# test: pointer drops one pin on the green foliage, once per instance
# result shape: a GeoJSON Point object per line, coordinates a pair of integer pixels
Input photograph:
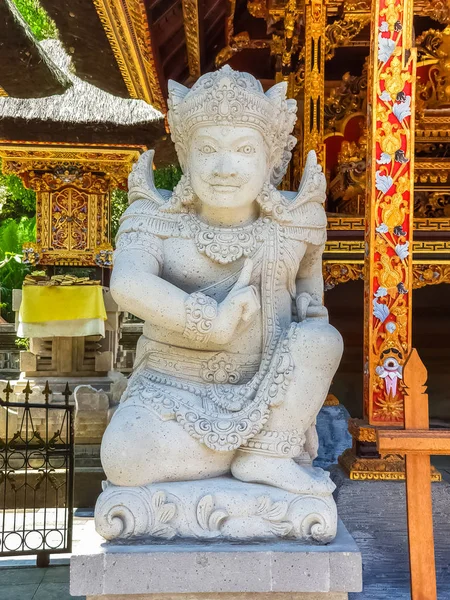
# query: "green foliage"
{"type": "Point", "coordinates": [166, 179]}
{"type": "Point", "coordinates": [119, 202]}
{"type": "Point", "coordinates": [22, 343]}
{"type": "Point", "coordinates": [15, 200]}
{"type": "Point", "coordinates": [37, 19]}
{"type": "Point", "coordinates": [13, 233]}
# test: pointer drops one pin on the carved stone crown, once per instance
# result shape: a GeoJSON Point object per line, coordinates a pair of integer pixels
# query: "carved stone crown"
{"type": "Point", "coordinates": [228, 97]}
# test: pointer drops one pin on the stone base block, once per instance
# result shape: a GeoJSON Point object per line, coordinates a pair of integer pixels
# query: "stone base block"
{"type": "Point", "coordinates": [216, 570]}
{"type": "Point", "coordinates": [221, 507]}
{"type": "Point", "coordinates": [269, 596]}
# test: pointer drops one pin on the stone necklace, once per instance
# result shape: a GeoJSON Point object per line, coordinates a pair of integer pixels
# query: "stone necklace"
{"type": "Point", "coordinates": [225, 245]}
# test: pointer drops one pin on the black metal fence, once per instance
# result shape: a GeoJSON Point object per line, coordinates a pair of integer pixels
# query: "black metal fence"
{"type": "Point", "coordinates": [36, 474]}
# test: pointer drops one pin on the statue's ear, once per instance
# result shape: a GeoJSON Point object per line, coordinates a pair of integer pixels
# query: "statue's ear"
{"type": "Point", "coordinates": [277, 93]}
{"type": "Point", "coordinates": [177, 92]}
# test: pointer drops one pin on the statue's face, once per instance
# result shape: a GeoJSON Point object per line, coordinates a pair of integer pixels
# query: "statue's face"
{"type": "Point", "coordinates": [228, 165]}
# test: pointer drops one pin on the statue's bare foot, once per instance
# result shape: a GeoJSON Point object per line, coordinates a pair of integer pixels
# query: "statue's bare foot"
{"type": "Point", "coordinates": [283, 473]}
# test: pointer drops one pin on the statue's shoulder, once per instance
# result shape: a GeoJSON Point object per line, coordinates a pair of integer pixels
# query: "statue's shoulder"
{"type": "Point", "coordinates": [146, 213]}
{"type": "Point", "coordinates": [146, 216]}
{"type": "Point", "coordinates": [308, 220]}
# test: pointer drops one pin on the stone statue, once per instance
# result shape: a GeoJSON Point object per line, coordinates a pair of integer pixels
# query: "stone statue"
{"type": "Point", "coordinates": [215, 435]}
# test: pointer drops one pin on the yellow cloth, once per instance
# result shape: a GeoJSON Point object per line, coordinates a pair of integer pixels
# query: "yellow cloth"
{"type": "Point", "coordinates": [61, 303]}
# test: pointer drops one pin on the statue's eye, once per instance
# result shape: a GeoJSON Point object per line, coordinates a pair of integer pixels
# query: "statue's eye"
{"type": "Point", "coordinates": [207, 149]}
{"type": "Point", "coordinates": [247, 149]}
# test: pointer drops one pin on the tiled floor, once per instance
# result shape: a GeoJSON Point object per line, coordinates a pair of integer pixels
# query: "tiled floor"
{"type": "Point", "coordinates": [30, 583]}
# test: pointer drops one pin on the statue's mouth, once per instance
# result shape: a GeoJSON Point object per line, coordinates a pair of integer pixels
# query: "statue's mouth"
{"type": "Point", "coordinates": [225, 188]}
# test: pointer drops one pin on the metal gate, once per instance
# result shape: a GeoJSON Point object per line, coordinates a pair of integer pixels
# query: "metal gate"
{"type": "Point", "coordinates": [36, 473]}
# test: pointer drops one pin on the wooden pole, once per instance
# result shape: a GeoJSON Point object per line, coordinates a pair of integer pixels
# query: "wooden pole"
{"type": "Point", "coordinates": [418, 486]}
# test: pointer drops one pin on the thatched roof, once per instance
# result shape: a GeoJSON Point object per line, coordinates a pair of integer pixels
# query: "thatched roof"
{"type": "Point", "coordinates": [25, 69]}
{"type": "Point", "coordinates": [80, 103]}
{"type": "Point", "coordinates": [83, 114]}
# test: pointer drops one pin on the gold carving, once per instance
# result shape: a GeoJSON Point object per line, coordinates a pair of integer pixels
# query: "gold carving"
{"type": "Point", "coordinates": [290, 43]}
{"type": "Point", "coordinates": [314, 82]}
{"type": "Point", "coordinates": [31, 253]}
{"type": "Point", "coordinates": [239, 42]}
{"type": "Point", "coordinates": [257, 8]}
{"type": "Point", "coordinates": [434, 50]}
{"type": "Point", "coordinates": [432, 171]}
{"type": "Point", "coordinates": [389, 205]}
{"type": "Point", "coordinates": [432, 274]}
{"type": "Point", "coordinates": [431, 247]}
{"type": "Point", "coordinates": [341, 31]}
{"type": "Point", "coordinates": [372, 469]}
{"type": "Point", "coordinates": [192, 33]}
{"type": "Point", "coordinates": [103, 255]}
{"type": "Point", "coordinates": [348, 188]}
{"type": "Point", "coordinates": [431, 224]}
{"type": "Point", "coordinates": [439, 10]}
{"type": "Point", "coordinates": [345, 100]}
{"type": "Point", "coordinates": [72, 187]}
{"type": "Point", "coordinates": [116, 162]}
{"type": "Point", "coordinates": [347, 223]}
{"type": "Point", "coordinates": [344, 247]}
{"type": "Point", "coordinates": [126, 26]}
{"type": "Point", "coordinates": [335, 273]}
{"type": "Point", "coordinates": [390, 468]}
{"type": "Point", "coordinates": [344, 223]}
{"type": "Point", "coordinates": [361, 431]}
{"type": "Point", "coordinates": [432, 204]}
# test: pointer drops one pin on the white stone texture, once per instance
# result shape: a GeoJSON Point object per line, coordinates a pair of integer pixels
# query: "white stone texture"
{"type": "Point", "coordinates": [225, 568]}
{"type": "Point", "coordinates": [237, 355]}
{"type": "Point", "coordinates": [214, 508]}
{"type": "Point", "coordinates": [249, 596]}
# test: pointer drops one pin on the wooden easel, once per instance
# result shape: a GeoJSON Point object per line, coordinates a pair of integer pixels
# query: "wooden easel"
{"type": "Point", "coordinates": [417, 442]}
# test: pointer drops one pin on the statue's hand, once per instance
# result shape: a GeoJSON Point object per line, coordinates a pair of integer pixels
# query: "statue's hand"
{"type": "Point", "coordinates": [310, 307]}
{"type": "Point", "coordinates": [238, 308]}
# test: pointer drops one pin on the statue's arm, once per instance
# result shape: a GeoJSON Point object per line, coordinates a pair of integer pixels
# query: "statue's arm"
{"type": "Point", "coordinates": [309, 283]}
{"type": "Point", "coordinates": [137, 288]}
{"type": "Point", "coordinates": [309, 276]}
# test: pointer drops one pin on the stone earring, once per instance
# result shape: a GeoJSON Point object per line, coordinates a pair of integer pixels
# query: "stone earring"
{"type": "Point", "coordinates": [188, 195]}
{"type": "Point", "coordinates": [264, 199]}
{"type": "Point", "coordinates": [271, 203]}
{"type": "Point", "coordinates": [183, 196]}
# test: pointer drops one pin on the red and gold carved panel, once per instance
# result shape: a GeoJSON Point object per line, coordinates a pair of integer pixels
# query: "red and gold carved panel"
{"type": "Point", "coordinates": [389, 217]}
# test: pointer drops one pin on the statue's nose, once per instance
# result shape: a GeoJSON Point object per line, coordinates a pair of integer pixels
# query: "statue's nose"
{"type": "Point", "coordinates": [224, 166]}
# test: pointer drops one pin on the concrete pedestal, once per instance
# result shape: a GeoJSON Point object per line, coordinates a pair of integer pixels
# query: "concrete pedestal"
{"type": "Point", "coordinates": [184, 570]}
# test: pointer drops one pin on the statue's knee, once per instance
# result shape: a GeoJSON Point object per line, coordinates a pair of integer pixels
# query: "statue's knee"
{"type": "Point", "coordinates": [122, 449]}
{"type": "Point", "coordinates": [330, 341]}
{"type": "Point", "coordinates": [318, 339]}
